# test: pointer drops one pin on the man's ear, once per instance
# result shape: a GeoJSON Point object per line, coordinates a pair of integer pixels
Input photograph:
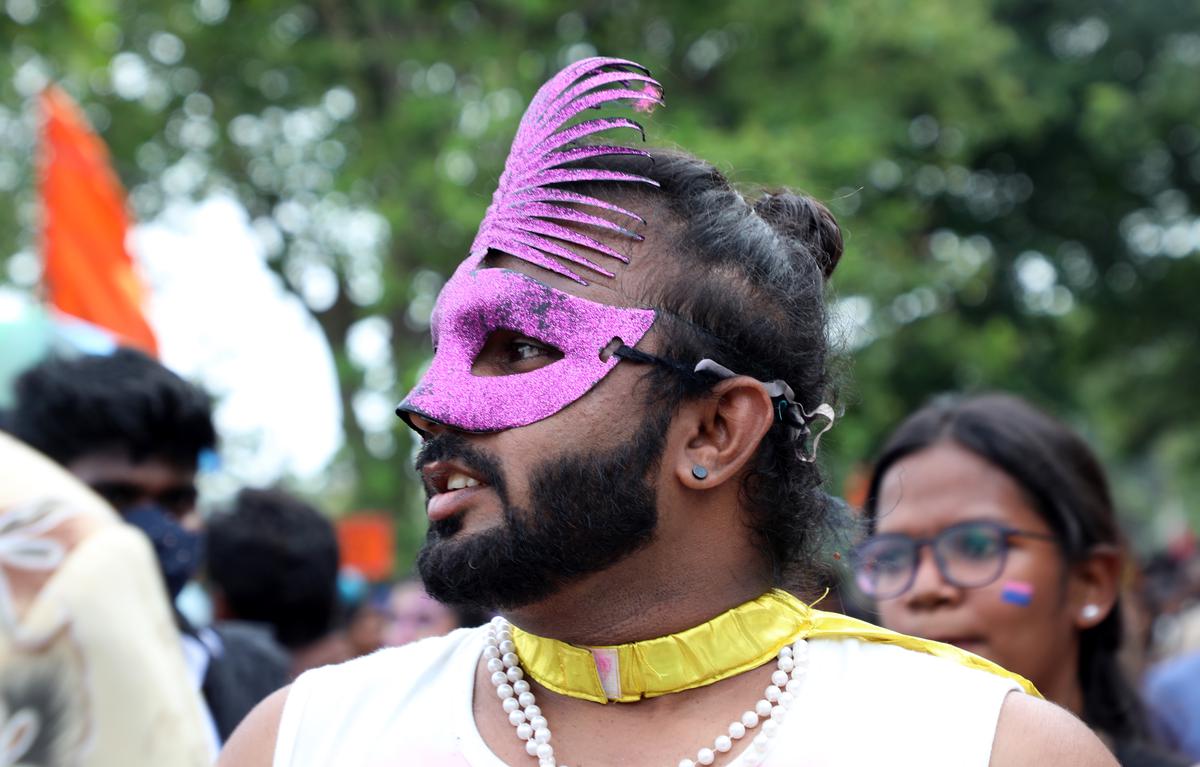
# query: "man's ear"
{"type": "Point", "coordinates": [1095, 585]}
{"type": "Point", "coordinates": [722, 432]}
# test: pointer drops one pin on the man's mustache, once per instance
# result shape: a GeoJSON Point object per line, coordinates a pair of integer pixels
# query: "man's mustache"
{"type": "Point", "coordinates": [448, 446]}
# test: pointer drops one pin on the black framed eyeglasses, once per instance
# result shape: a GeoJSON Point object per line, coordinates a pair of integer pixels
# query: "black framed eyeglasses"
{"type": "Point", "coordinates": [968, 555]}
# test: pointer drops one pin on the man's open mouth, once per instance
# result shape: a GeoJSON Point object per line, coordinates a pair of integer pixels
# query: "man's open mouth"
{"type": "Point", "coordinates": [446, 476]}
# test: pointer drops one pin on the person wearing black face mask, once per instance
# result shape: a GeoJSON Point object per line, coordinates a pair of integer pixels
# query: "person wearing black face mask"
{"type": "Point", "coordinates": [179, 549]}
{"type": "Point", "coordinates": [134, 432]}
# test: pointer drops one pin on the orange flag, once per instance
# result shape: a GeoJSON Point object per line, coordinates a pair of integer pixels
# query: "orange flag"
{"type": "Point", "coordinates": [367, 542]}
{"type": "Point", "coordinates": [88, 272]}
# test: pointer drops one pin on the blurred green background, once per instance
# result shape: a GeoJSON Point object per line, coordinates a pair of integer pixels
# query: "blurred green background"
{"type": "Point", "coordinates": [1017, 179]}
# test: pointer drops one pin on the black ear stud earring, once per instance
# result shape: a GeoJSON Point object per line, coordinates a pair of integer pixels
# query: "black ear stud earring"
{"type": "Point", "coordinates": [699, 472]}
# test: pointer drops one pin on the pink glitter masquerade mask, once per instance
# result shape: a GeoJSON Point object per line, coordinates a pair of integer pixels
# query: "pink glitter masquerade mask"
{"type": "Point", "coordinates": [478, 302]}
{"type": "Point", "coordinates": [523, 221]}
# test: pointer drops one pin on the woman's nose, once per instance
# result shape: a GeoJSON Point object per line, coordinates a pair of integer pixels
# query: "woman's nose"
{"type": "Point", "coordinates": [930, 587]}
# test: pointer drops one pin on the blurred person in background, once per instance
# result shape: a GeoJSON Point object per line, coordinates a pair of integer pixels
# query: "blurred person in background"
{"type": "Point", "coordinates": [361, 615]}
{"type": "Point", "coordinates": [133, 431]}
{"type": "Point", "coordinates": [273, 562]}
{"type": "Point", "coordinates": [1171, 685]}
{"type": "Point", "coordinates": [1172, 690]}
{"type": "Point", "coordinates": [412, 615]}
{"type": "Point", "coordinates": [91, 670]}
{"type": "Point", "coordinates": [993, 530]}
{"type": "Point", "coordinates": [1172, 594]}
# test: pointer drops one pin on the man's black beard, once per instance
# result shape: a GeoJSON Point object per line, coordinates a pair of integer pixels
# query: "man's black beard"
{"type": "Point", "coordinates": [587, 512]}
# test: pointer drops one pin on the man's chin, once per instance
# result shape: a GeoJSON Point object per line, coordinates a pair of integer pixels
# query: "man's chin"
{"type": "Point", "coordinates": [469, 569]}
{"type": "Point", "coordinates": [464, 526]}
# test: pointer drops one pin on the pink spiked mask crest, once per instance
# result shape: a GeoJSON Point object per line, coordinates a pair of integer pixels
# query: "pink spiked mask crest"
{"type": "Point", "coordinates": [531, 218]}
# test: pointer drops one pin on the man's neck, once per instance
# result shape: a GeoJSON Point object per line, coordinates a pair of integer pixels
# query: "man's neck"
{"type": "Point", "coordinates": [641, 598]}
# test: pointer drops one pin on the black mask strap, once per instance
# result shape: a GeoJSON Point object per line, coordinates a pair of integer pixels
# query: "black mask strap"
{"type": "Point", "coordinates": [787, 411]}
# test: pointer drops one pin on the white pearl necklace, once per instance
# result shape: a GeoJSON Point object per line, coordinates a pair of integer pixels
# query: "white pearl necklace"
{"type": "Point", "coordinates": [500, 655]}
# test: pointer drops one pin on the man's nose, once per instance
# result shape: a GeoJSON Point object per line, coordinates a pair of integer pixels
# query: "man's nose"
{"type": "Point", "coordinates": [421, 424]}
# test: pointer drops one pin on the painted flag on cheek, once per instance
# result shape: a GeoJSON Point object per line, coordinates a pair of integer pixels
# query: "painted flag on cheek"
{"type": "Point", "coordinates": [1018, 593]}
{"type": "Point", "coordinates": [88, 272]}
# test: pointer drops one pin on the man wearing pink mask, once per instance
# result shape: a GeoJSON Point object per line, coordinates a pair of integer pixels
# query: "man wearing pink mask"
{"type": "Point", "coordinates": [618, 430]}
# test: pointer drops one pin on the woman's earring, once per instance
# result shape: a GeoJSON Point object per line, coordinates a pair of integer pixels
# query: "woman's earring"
{"type": "Point", "coordinates": [1090, 612]}
{"type": "Point", "coordinates": [699, 472]}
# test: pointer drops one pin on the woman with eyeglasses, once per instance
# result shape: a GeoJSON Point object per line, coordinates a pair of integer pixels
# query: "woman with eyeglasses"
{"type": "Point", "coordinates": [992, 528]}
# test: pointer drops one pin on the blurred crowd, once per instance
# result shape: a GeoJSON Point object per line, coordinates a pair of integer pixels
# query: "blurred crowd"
{"type": "Point", "coordinates": [979, 504]}
{"type": "Point", "coordinates": [196, 617]}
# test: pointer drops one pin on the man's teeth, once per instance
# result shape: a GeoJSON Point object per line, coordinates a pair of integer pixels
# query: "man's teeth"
{"type": "Point", "coordinates": [460, 481]}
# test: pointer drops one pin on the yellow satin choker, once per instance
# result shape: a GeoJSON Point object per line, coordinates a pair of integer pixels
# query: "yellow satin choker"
{"type": "Point", "coordinates": [743, 638]}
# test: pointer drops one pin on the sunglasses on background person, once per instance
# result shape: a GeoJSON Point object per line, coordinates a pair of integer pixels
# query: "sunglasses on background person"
{"type": "Point", "coordinates": [968, 555]}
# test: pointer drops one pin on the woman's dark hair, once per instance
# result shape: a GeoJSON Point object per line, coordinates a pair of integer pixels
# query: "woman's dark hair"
{"type": "Point", "coordinates": [744, 285]}
{"type": "Point", "coordinates": [1067, 487]}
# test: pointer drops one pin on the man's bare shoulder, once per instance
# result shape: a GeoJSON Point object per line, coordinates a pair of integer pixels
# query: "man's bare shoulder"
{"type": "Point", "coordinates": [253, 742]}
{"type": "Point", "coordinates": [1032, 731]}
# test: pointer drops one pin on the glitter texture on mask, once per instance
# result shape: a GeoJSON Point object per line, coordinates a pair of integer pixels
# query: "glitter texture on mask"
{"type": "Point", "coordinates": [476, 303]}
{"type": "Point", "coordinates": [523, 219]}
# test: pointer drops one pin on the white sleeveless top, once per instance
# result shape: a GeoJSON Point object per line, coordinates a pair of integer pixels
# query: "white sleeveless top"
{"type": "Point", "coordinates": [862, 703]}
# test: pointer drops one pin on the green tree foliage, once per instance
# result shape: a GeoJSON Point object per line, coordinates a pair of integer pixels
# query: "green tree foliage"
{"type": "Point", "coordinates": [1017, 179]}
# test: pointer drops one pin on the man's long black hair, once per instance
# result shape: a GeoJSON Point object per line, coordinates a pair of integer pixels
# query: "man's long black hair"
{"type": "Point", "coordinates": [744, 285]}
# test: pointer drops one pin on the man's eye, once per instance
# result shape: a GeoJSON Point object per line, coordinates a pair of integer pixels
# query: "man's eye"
{"type": "Point", "coordinates": [526, 350]}
{"type": "Point", "coordinates": [508, 353]}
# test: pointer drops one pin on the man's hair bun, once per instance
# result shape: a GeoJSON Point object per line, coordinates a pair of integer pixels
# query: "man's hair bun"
{"type": "Point", "coordinates": [807, 225]}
